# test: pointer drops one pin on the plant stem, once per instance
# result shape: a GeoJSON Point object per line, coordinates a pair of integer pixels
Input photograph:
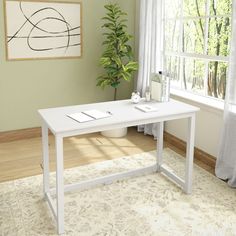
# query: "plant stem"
{"type": "Point", "coordinates": [115, 93]}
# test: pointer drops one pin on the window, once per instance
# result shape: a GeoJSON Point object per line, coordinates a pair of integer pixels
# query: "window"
{"type": "Point", "coordinates": [196, 45]}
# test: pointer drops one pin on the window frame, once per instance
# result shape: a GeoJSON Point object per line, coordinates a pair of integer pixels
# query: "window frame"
{"type": "Point", "coordinates": [180, 54]}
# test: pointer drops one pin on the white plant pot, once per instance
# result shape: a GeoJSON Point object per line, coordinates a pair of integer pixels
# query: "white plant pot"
{"type": "Point", "coordinates": [115, 133]}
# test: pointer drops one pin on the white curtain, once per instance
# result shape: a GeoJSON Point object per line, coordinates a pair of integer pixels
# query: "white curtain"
{"type": "Point", "coordinates": [226, 160]}
{"type": "Point", "coordinates": [150, 47]}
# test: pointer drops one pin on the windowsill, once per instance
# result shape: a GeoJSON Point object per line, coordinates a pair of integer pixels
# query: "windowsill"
{"type": "Point", "coordinates": [209, 104]}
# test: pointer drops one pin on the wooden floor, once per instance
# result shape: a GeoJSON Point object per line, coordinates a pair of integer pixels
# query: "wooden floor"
{"type": "Point", "coordinates": [22, 158]}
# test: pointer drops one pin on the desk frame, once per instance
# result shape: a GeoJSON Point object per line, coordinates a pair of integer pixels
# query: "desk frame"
{"type": "Point", "coordinates": [58, 208]}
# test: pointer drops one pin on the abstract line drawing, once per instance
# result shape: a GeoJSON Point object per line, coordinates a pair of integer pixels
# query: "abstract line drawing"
{"type": "Point", "coordinates": [37, 30]}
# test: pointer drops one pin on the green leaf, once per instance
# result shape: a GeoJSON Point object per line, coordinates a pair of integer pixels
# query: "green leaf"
{"type": "Point", "coordinates": [115, 84]}
{"type": "Point", "coordinates": [131, 66]}
{"type": "Point", "coordinates": [105, 61]}
{"type": "Point", "coordinates": [109, 25]}
{"type": "Point", "coordinates": [108, 18]}
{"type": "Point", "coordinates": [117, 60]}
{"type": "Point", "coordinates": [126, 76]}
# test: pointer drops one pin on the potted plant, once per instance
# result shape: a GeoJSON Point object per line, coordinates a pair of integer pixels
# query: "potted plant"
{"type": "Point", "coordinates": [117, 58]}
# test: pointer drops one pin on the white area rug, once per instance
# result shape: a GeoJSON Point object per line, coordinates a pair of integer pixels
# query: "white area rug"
{"type": "Point", "coordinates": [150, 205]}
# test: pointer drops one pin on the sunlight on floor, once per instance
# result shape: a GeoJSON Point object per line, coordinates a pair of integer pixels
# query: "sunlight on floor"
{"type": "Point", "coordinates": [24, 157]}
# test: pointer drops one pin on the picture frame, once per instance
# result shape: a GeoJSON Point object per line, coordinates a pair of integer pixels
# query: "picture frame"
{"type": "Point", "coordinates": [43, 29]}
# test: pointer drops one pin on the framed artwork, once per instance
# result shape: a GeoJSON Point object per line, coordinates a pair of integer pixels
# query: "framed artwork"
{"type": "Point", "coordinates": [43, 30]}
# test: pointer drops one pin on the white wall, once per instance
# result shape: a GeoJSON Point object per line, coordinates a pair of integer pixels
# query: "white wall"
{"type": "Point", "coordinates": [209, 123]}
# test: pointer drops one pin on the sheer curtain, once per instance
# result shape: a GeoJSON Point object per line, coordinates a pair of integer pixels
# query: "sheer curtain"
{"type": "Point", "coordinates": [226, 161]}
{"type": "Point", "coordinates": [150, 44]}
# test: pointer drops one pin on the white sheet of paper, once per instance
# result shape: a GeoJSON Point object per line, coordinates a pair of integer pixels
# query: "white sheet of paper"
{"type": "Point", "coordinates": [146, 108]}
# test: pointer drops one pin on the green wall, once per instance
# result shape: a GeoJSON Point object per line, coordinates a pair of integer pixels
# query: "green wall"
{"type": "Point", "coordinates": [26, 86]}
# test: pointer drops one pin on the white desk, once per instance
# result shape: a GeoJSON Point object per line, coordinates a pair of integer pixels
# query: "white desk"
{"type": "Point", "coordinates": [124, 115]}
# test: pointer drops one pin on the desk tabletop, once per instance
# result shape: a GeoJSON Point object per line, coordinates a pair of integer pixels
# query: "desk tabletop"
{"type": "Point", "coordinates": [123, 112]}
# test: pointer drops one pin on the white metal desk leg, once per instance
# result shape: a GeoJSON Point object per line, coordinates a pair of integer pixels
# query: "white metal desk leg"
{"type": "Point", "coordinates": [160, 127]}
{"type": "Point", "coordinates": [60, 184]}
{"type": "Point", "coordinates": [45, 158]}
{"type": "Point", "coordinates": [189, 155]}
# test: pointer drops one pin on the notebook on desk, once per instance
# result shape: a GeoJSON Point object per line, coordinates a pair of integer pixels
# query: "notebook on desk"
{"type": "Point", "coordinates": [96, 114]}
{"type": "Point", "coordinates": [89, 115]}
